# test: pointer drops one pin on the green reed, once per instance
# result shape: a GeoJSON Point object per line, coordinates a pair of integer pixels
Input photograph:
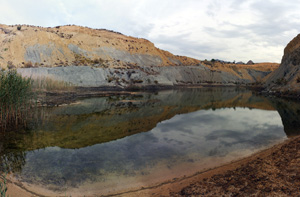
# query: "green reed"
{"type": "Point", "coordinates": [3, 187]}
{"type": "Point", "coordinates": [15, 99]}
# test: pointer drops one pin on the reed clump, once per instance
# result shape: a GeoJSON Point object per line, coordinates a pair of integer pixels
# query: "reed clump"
{"type": "Point", "coordinates": [3, 187]}
{"type": "Point", "coordinates": [15, 99]}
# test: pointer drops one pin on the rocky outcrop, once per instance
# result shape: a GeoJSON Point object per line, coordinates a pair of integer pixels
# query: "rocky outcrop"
{"type": "Point", "coordinates": [139, 77]}
{"type": "Point", "coordinates": [287, 76]}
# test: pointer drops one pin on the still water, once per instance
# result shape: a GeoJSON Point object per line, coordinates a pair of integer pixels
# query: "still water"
{"type": "Point", "coordinates": [111, 144]}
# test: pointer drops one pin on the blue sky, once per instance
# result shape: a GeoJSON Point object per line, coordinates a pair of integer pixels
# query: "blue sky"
{"type": "Point", "coordinates": [237, 30]}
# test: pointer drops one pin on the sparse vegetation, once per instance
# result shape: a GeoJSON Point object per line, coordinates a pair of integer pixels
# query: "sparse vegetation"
{"type": "Point", "coordinates": [81, 60]}
{"type": "Point", "coordinates": [49, 84]}
{"type": "Point", "coordinates": [206, 62]}
{"type": "Point", "coordinates": [281, 81]}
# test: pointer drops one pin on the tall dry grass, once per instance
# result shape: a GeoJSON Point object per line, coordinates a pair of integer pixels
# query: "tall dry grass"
{"type": "Point", "coordinates": [49, 84]}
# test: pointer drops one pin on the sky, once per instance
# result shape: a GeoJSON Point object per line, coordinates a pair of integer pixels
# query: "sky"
{"type": "Point", "coordinates": [231, 30]}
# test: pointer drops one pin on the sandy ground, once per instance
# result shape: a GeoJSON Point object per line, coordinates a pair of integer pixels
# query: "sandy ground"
{"type": "Point", "coordinates": [272, 172]}
{"type": "Point", "coordinates": [275, 172]}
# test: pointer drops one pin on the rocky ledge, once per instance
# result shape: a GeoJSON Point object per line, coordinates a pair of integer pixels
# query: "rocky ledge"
{"type": "Point", "coordinates": [140, 77]}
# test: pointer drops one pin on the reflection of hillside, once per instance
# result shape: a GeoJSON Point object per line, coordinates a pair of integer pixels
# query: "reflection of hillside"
{"type": "Point", "coordinates": [101, 120]}
{"type": "Point", "coordinates": [290, 115]}
{"type": "Point", "coordinates": [245, 100]}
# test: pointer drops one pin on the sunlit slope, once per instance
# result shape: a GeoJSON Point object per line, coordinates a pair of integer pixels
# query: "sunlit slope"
{"type": "Point", "coordinates": [26, 46]}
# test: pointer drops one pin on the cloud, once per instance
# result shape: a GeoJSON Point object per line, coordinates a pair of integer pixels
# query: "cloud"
{"type": "Point", "coordinates": [230, 30]}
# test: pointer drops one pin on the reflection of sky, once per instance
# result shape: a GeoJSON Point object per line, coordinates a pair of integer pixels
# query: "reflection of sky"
{"type": "Point", "coordinates": [183, 138]}
{"type": "Point", "coordinates": [224, 129]}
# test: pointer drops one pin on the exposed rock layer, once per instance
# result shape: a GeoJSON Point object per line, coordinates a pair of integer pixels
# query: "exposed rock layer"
{"type": "Point", "coordinates": [287, 76]}
{"type": "Point", "coordinates": [85, 76]}
{"type": "Point", "coordinates": [95, 57]}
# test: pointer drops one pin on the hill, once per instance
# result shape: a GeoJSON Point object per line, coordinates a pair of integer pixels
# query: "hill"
{"type": "Point", "coordinates": [27, 46]}
{"type": "Point", "coordinates": [87, 57]}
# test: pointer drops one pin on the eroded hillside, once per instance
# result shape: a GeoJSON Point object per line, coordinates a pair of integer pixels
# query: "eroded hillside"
{"type": "Point", "coordinates": [244, 71]}
{"type": "Point", "coordinates": [87, 57]}
{"type": "Point", "coordinates": [31, 46]}
{"type": "Point", "coordinates": [287, 76]}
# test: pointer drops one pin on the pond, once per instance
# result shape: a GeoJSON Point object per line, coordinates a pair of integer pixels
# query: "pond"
{"type": "Point", "coordinates": [111, 144]}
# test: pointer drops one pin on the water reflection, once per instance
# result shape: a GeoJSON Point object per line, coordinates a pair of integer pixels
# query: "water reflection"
{"type": "Point", "coordinates": [124, 141]}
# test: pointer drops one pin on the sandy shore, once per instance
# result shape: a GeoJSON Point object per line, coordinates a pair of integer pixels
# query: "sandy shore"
{"type": "Point", "coordinates": [272, 172]}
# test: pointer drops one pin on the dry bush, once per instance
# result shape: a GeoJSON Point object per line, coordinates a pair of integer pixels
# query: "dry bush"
{"type": "Point", "coordinates": [28, 65]}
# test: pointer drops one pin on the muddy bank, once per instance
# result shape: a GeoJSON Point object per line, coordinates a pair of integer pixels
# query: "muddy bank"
{"type": "Point", "coordinates": [57, 98]}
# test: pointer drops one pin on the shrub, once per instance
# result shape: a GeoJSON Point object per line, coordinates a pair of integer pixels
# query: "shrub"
{"type": "Point", "coordinates": [110, 79]}
{"type": "Point", "coordinates": [138, 81]}
{"type": "Point", "coordinates": [281, 81]}
{"type": "Point", "coordinates": [10, 65]}
{"type": "Point", "coordinates": [98, 61]}
{"type": "Point", "coordinates": [19, 28]}
{"type": "Point", "coordinates": [28, 65]}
